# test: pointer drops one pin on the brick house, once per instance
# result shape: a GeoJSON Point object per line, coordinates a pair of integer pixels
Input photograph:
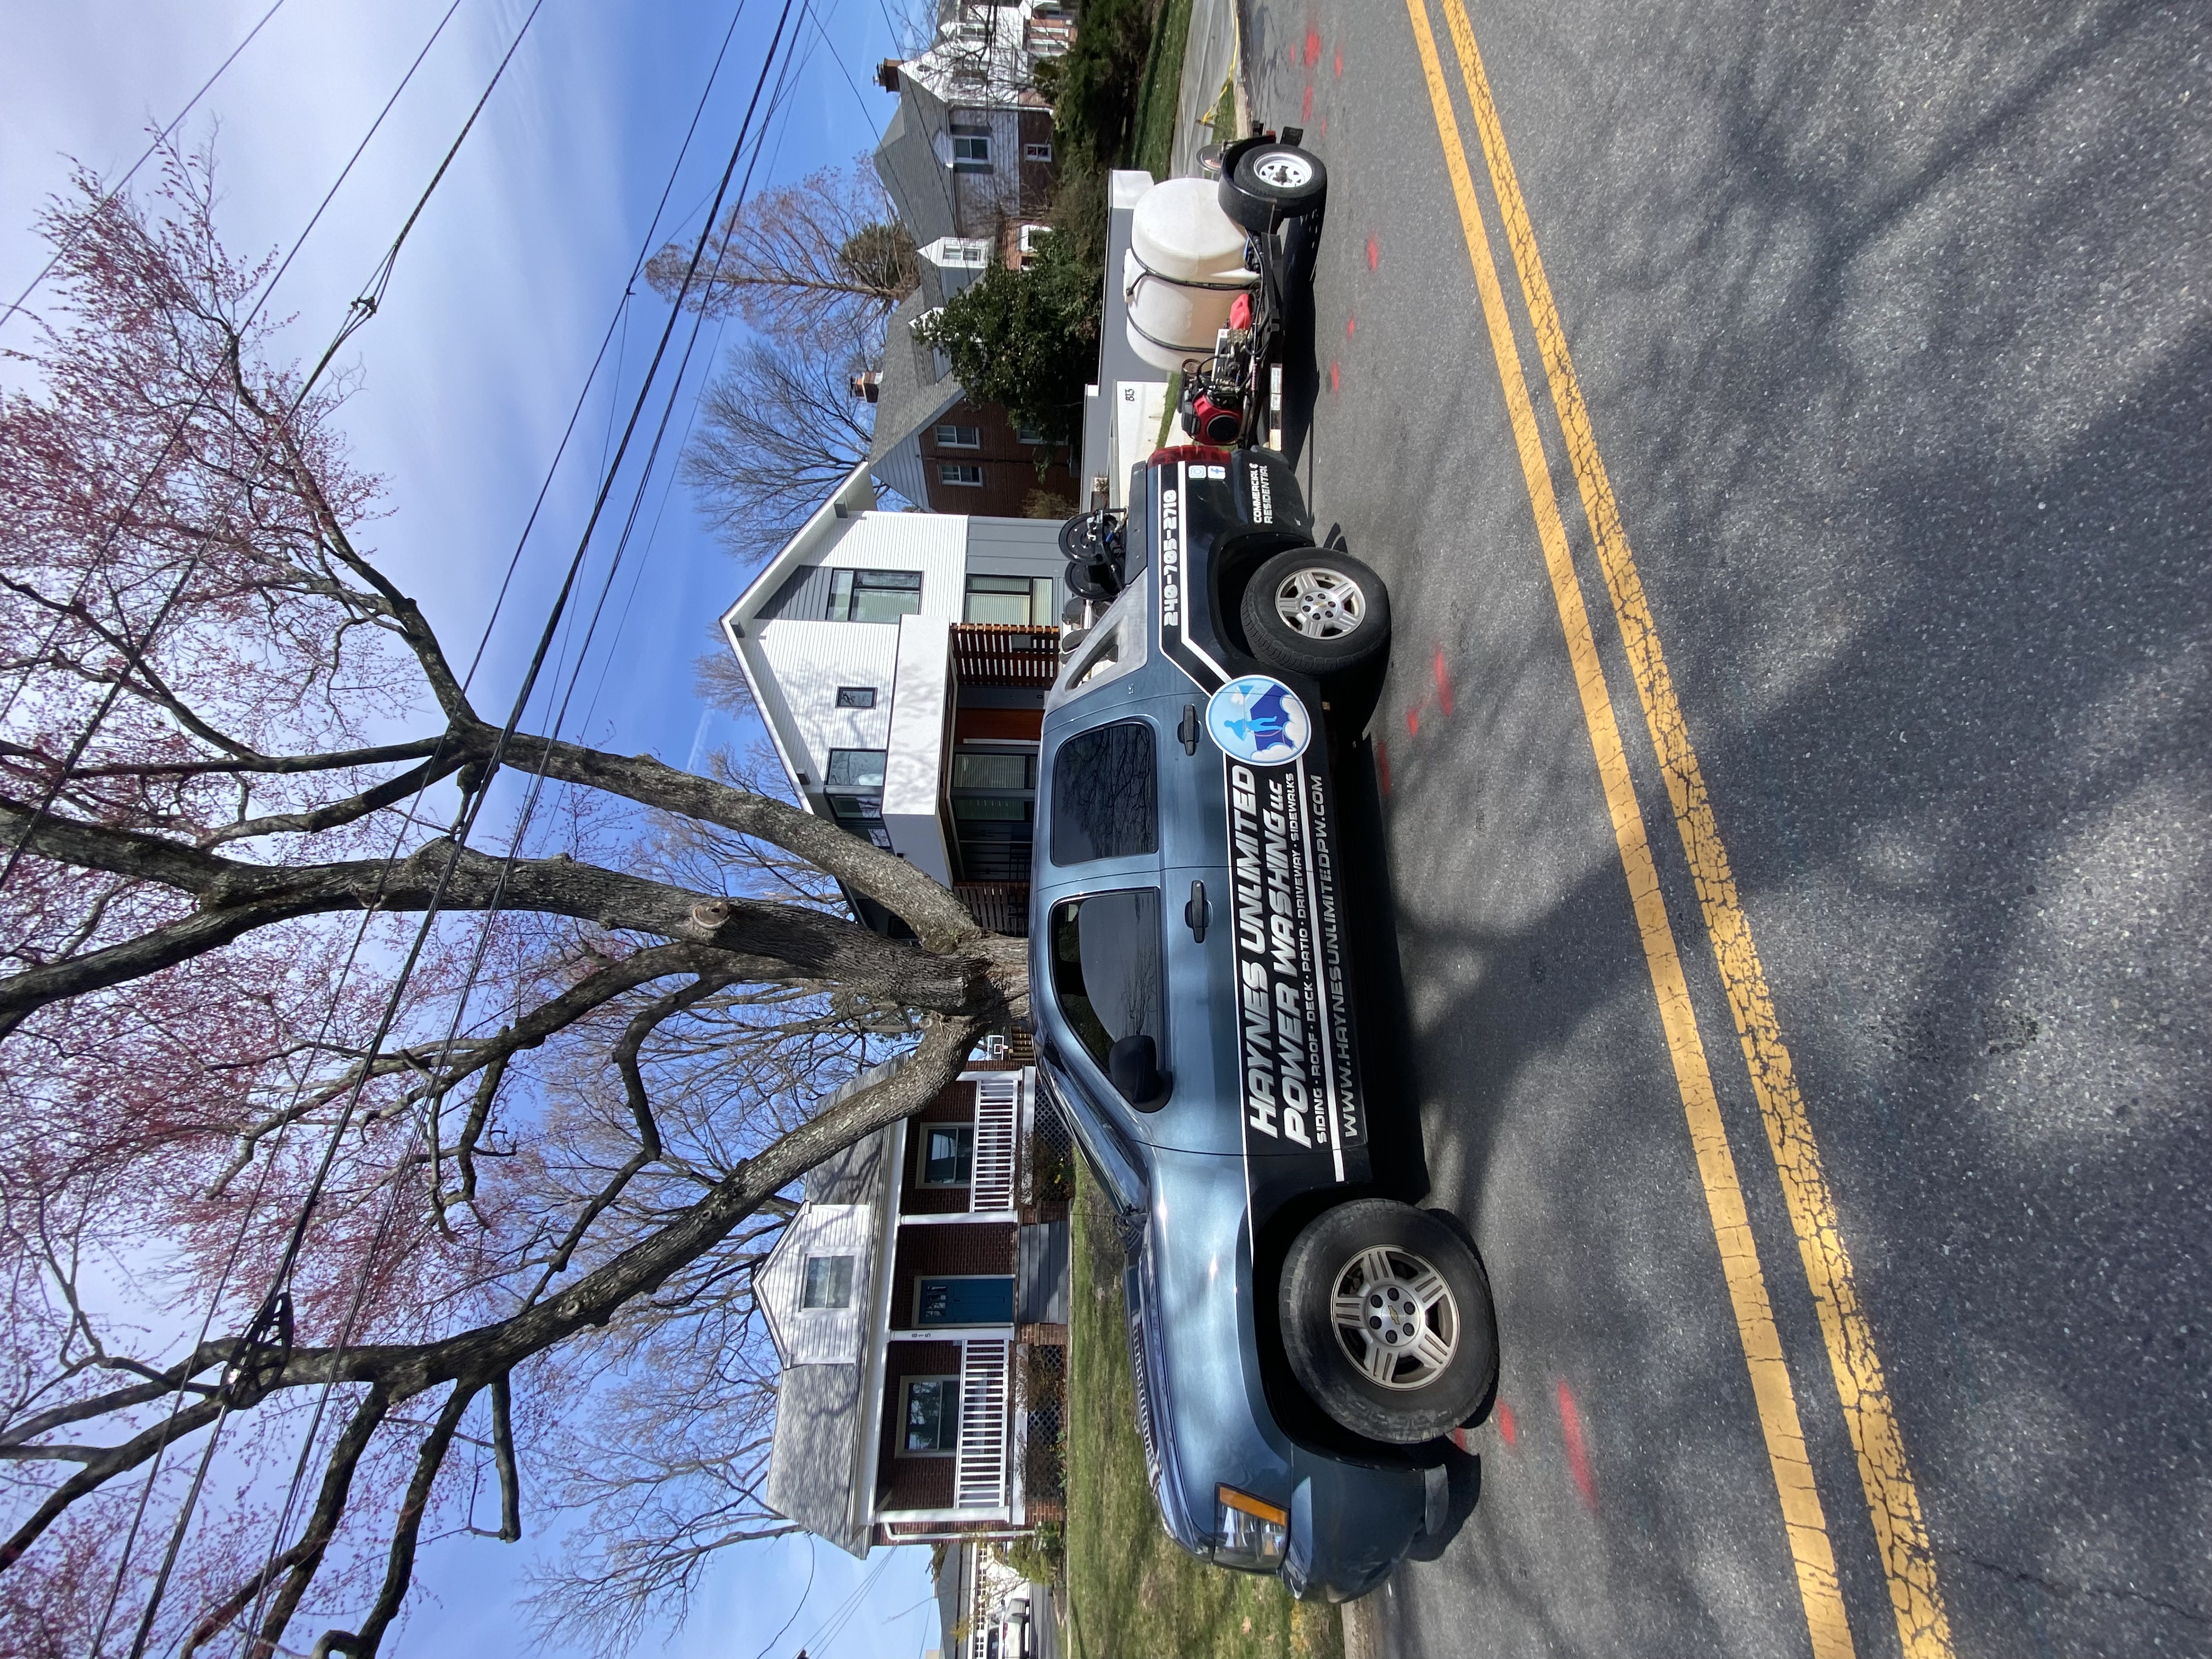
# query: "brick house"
{"type": "Point", "coordinates": [918, 1302]}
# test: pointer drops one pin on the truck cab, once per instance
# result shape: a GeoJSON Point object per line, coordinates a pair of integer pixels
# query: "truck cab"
{"type": "Point", "coordinates": [1193, 992]}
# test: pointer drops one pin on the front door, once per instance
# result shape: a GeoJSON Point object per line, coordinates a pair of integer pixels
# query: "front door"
{"type": "Point", "coordinates": [965, 1299]}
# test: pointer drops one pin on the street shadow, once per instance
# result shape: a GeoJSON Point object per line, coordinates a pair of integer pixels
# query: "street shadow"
{"type": "Point", "coordinates": [1930, 574]}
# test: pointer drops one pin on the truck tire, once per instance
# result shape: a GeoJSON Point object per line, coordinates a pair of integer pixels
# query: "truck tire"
{"type": "Point", "coordinates": [1315, 611]}
{"type": "Point", "coordinates": [1388, 1323]}
{"type": "Point", "coordinates": [1271, 183]}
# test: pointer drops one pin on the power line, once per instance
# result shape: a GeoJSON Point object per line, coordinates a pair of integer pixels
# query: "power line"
{"type": "Point", "coordinates": [473, 806]}
{"type": "Point", "coordinates": [145, 156]}
{"type": "Point", "coordinates": [358, 313]}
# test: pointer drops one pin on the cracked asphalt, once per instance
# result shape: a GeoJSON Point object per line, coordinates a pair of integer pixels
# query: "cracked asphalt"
{"type": "Point", "coordinates": [1894, 325]}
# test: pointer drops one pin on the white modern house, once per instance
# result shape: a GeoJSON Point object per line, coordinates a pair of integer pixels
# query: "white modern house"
{"type": "Point", "coordinates": [900, 662]}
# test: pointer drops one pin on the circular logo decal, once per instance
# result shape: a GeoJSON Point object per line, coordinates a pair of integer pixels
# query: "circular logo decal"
{"type": "Point", "coordinates": [1259, 719]}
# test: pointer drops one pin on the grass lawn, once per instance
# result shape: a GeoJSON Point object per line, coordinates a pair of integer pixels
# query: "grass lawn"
{"type": "Point", "coordinates": [1133, 1592]}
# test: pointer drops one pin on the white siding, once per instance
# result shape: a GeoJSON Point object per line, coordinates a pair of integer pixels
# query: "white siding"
{"type": "Point", "coordinates": [809, 660]}
{"type": "Point", "coordinates": [818, 1336]}
{"type": "Point", "coordinates": [917, 743]}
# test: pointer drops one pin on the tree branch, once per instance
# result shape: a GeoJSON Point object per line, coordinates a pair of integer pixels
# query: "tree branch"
{"type": "Point", "coordinates": [236, 898]}
{"type": "Point", "coordinates": [502, 1454]}
{"type": "Point", "coordinates": [399, 1571]}
{"type": "Point", "coordinates": [938, 919]}
{"type": "Point", "coordinates": [302, 1560]}
{"type": "Point", "coordinates": [96, 1474]}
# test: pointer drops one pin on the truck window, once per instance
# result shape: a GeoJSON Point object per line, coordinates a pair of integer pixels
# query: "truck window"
{"type": "Point", "coordinates": [1106, 967]}
{"type": "Point", "coordinates": [1105, 795]}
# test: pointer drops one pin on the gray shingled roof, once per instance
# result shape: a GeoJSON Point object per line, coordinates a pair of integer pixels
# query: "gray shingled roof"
{"type": "Point", "coordinates": [918, 183]}
{"type": "Point", "coordinates": [910, 396]}
{"type": "Point", "coordinates": [810, 1469]}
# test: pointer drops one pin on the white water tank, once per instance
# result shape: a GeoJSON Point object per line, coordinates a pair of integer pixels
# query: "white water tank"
{"type": "Point", "coordinates": [1184, 269]}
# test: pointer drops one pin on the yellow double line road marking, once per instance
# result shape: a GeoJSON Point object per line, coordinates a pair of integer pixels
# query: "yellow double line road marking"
{"type": "Point", "coordinates": [1892, 1500]}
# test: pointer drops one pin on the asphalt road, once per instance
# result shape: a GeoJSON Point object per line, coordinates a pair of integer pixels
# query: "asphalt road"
{"type": "Point", "coordinates": [1893, 326]}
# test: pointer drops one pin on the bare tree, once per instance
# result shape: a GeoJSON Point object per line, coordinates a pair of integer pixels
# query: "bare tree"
{"type": "Point", "coordinates": [525, 1268]}
{"type": "Point", "coordinates": [778, 431]}
{"type": "Point", "coordinates": [824, 257]}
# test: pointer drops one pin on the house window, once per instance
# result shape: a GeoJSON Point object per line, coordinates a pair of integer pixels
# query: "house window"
{"type": "Point", "coordinates": [932, 1417]}
{"type": "Point", "coordinates": [971, 149]}
{"type": "Point", "coordinates": [874, 596]}
{"type": "Point", "coordinates": [994, 812]}
{"type": "Point", "coordinates": [856, 696]}
{"type": "Point", "coordinates": [828, 1282]}
{"type": "Point", "coordinates": [966, 474]}
{"type": "Point", "coordinates": [1017, 600]}
{"type": "Point", "coordinates": [855, 785]}
{"type": "Point", "coordinates": [1036, 152]}
{"type": "Point", "coordinates": [855, 768]}
{"type": "Point", "coordinates": [959, 437]}
{"type": "Point", "coordinates": [999, 770]}
{"type": "Point", "coordinates": [948, 1154]}
{"type": "Point", "coordinates": [1027, 435]}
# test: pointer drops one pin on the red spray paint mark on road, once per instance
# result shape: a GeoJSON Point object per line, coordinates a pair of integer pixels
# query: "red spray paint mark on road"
{"type": "Point", "coordinates": [1414, 722]}
{"type": "Point", "coordinates": [1306, 105]}
{"type": "Point", "coordinates": [1335, 383]}
{"type": "Point", "coordinates": [1570, 1419]}
{"type": "Point", "coordinates": [1383, 764]}
{"type": "Point", "coordinates": [1351, 326]}
{"type": "Point", "coordinates": [1507, 1429]}
{"type": "Point", "coordinates": [1340, 62]}
{"type": "Point", "coordinates": [1374, 254]}
{"type": "Point", "coordinates": [1324, 126]}
{"type": "Point", "coordinates": [1458, 1438]}
{"type": "Point", "coordinates": [1313, 46]}
{"type": "Point", "coordinates": [1443, 681]}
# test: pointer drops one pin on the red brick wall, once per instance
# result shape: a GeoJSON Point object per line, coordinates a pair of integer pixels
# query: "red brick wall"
{"type": "Point", "coordinates": [1036, 177]}
{"type": "Point", "coordinates": [984, 1249]}
{"type": "Point", "coordinates": [912, 1482]}
{"type": "Point", "coordinates": [955, 1104]}
{"type": "Point", "coordinates": [1009, 465]}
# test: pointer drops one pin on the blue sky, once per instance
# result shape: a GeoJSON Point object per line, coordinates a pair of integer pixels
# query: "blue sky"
{"type": "Point", "coordinates": [467, 375]}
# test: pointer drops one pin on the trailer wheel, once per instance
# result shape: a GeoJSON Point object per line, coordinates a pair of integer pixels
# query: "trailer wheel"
{"type": "Point", "coordinates": [1388, 1321]}
{"type": "Point", "coordinates": [1315, 612]}
{"type": "Point", "coordinates": [1272, 183]}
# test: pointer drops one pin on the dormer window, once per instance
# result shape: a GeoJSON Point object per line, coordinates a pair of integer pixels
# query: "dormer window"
{"type": "Point", "coordinates": [828, 1282]}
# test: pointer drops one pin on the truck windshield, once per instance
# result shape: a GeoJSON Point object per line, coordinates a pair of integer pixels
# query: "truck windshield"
{"type": "Point", "coordinates": [1106, 967]}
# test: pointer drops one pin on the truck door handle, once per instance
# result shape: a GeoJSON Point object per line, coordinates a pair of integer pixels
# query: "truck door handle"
{"type": "Point", "coordinates": [1186, 730]}
{"type": "Point", "coordinates": [1195, 914]}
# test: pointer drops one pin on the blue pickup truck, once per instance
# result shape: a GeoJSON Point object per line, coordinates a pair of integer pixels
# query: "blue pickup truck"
{"type": "Point", "coordinates": [1300, 1343]}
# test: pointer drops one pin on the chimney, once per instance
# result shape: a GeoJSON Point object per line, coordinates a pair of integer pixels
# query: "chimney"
{"type": "Point", "coordinates": [887, 75]}
{"type": "Point", "coordinates": [867, 386]}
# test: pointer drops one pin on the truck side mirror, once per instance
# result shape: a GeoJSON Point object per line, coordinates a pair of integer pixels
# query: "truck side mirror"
{"type": "Point", "coordinates": [1134, 1066]}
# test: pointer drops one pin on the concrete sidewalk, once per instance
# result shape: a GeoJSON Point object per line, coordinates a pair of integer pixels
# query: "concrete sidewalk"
{"type": "Point", "coordinates": [1210, 56]}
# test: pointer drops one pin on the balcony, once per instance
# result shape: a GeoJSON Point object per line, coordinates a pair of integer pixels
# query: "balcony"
{"type": "Point", "coordinates": [982, 1467]}
{"type": "Point", "coordinates": [1001, 906]}
{"type": "Point", "coordinates": [1026, 656]}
